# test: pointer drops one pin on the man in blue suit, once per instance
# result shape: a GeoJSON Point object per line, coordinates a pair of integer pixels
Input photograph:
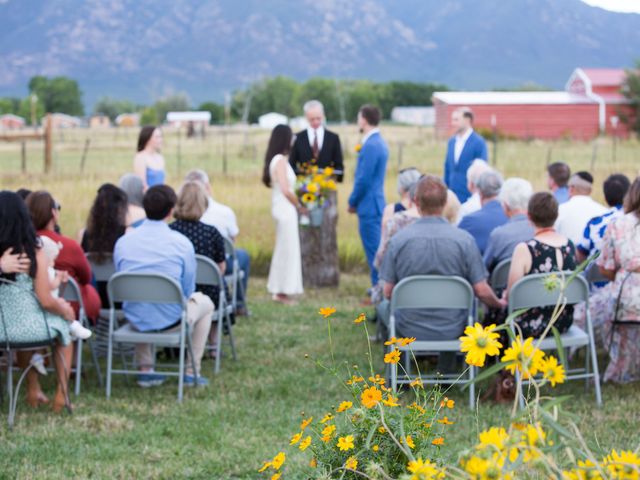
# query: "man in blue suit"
{"type": "Point", "coordinates": [463, 148]}
{"type": "Point", "coordinates": [367, 198]}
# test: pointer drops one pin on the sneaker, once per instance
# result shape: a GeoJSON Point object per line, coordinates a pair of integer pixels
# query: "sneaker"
{"type": "Point", "coordinates": [37, 362]}
{"type": "Point", "coordinates": [78, 331]}
{"type": "Point", "coordinates": [150, 379]}
{"type": "Point", "coordinates": [190, 381]}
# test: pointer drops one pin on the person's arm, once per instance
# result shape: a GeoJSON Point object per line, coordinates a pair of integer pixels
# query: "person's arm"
{"type": "Point", "coordinates": [294, 156]}
{"type": "Point", "coordinates": [189, 273]}
{"type": "Point", "coordinates": [388, 289]}
{"type": "Point", "coordinates": [41, 287]}
{"type": "Point", "coordinates": [81, 264]}
{"type": "Point", "coordinates": [489, 254]}
{"type": "Point", "coordinates": [281, 178]}
{"type": "Point", "coordinates": [234, 231]}
{"type": "Point", "coordinates": [140, 169]}
{"type": "Point", "coordinates": [14, 262]}
{"type": "Point", "coordinates": [338, 160]}
{"type": "Point", "coordinates": [520, 265]}
{"type": "Point", "coordinates": [364, 171]}
{"type": "Point", "coordinates": [487, 296]}
{"type": "Point", "coordinates": [447, 166]}
{"type": "Point", "coordinates": [388, 272]}
{"type": "Point", "coordinates": [606, 262]}
{"type": "Point", "coordinates": [217, 251]}
{"type": "Point", "coordinates": [484, 153]}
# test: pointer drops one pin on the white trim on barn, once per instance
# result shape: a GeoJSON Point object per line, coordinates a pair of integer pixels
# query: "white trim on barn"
{"type": "Point", "coordinates": [189, 117]}
{"type": "Point", "coordinates": [511, 98]}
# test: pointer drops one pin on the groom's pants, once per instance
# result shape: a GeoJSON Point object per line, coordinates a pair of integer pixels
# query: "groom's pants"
{"type": "Point", "coordinates": [369, 227]}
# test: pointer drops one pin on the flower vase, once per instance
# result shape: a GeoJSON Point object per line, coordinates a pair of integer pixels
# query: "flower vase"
{"type": "Point", "coordinates": [316, 217]}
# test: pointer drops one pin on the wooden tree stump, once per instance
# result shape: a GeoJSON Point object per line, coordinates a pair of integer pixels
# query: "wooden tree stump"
{"type": "Point", "coordinates": [319, 246]}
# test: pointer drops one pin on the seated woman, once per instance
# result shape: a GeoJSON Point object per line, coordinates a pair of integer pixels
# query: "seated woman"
{"type": "Point", "coordinates": [25, 263]}
{"type": "Point", "coordinates": [548, 251]}
{"type": "Point", "coordinates": [620, 262]}
{"type": "Point", "coordinates": [406, 178]}
{"type": "Point", "coordinates": [206, 239]}
{"type": "Point", "coordinates": [44, 212]}
{"type": "Point", "coordinates": [105, 225]}
{"type": "Point", "coordinates": [134, 189]}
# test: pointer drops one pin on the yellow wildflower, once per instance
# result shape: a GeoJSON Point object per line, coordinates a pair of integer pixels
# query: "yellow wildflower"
{"type": "Point", "coordinates": [381, 429]}
{"type": "Point", "coordinates": [438, 441]}
{"type": "Point", "coordinates": [409, 442]}
{"type": "Point", "coordinates": [313, 463]}
{"type": "Point", "coordinates": [331, 185]}
{"type": "Point", "coordinates": [328, 171]}
{"type": "Point", "coordinates": [276, 476]}
{"type": "Point", "coordinates": [390, 401]}
{"type": "Point", "coordinates": [358, 147]}
{"type": "Point", "coordinates": [392, 357]}
{"type": "Point", "coordinates": [485, 468]}
{"type": "Point", "coordinates": [354, 379]}
{"type": "Point", "coordinates": [371, 397]}
{"type": "Point", "coordinates": [495, 437]}
{"type": "Point", "coordinates": [327, 311]}
{"type": "Point", "coordinates": [447, 402]}
{"type": "Point", "coordinates": [306, 423]}
{"type": "Point", "coordinates": [313, 188]}
{"type": "Point", "coordinates": [479, 343]}
{"type": "Point", "coordinates": [423, 469]}
{"type": "Point", "coordinates": [552, 371]}
{"type": "Point", "coordinates": [361, 318]}
{"type": "Point", "coordinates": [351, 463]}
{"type": "Point", "coordinates": [296, 438]}
{"type": "Point", "coordinates": [417, 383]}
{"type": "Point", "coordinates": [264, 466]}
{"type": "Point", "coordinates": [326, 418]}
{"type": "Point", "coordinates": [391, 341]}
{"type": "Point", "coordinates": [278, 460]}
{"type": "Point", "coordinates": [378, 380]}
{"type": "Point", "coordinates": [418, 408]}
{"type": "Point", "coordinates": [328, 430]}
{"type": "Point", "coordinates": [375, 448]}
{"type": "Point", "coordinates": [344, 406]}
{"type": "Point", "coordinates": [304, 444]}
{"type": "Point", "coordinates": [308, 198]}
{"type": "Point", "coordinates": [403, 342]}
{"type": "Point", "coordinates": [446, 421]}
{"type": "Point", "coordinates": [345, 443]}
{"type": "Point", "coordinates": [625, 464]}
{"type": "Point", "coordinates": [524, 357]}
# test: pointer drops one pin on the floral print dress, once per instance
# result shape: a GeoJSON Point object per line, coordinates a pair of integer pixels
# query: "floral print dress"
{"type": "Point", "coordinates": [544, 259]}
{"type": "Point", "coordinates": [621, 253]}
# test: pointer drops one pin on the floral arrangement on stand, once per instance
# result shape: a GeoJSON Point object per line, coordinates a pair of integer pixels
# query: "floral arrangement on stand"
{"type": "Point", "coordinates": [313, 188]}
{"type": "Point", "coordinates": [375, 433]}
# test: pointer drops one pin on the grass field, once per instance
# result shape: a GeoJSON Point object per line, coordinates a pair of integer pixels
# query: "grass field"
{"type": "Point", "coordinates": [111, 151]}
{"type": "Point", "coordinates": [252, 408]}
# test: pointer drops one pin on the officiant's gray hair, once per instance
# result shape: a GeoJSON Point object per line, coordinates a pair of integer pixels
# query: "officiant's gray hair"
{"type": "Point", "coordinates": [311, 104]}
{"type": "Point", "coordinates": [197, 175]}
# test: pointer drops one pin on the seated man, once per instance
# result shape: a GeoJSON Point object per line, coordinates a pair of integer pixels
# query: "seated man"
{"type": "Point", "coordinates": [154, 247]}
{"type": "Point", "coordinates": [432, 246]}
{"type": "Point", "coordinates": [223, 218]}
{"type": "Point", "coordinates": [558, 174]}
{"type": "Point", "coordinates": [480, 224]}
{"type": "Point", "coordinates": [514, 196]}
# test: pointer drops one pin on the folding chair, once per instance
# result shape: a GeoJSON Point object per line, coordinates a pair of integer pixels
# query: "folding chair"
{"type": "Point", "coordinates": [593, 275]}
{"type": "Point", "coordinates": [71, 293]}
{"type": "Point", "coordinates": [500, 275]}
{"type": "Point", "coordinates": [9, 346]}
{"type": "Point", "coordinates": [530, 291]}
{"type": "Point", "coordinates": [234, 280]}
{"type": "Point", "coordinates": [208, 274]}
{"type": "Point", "coordinates": [430, 292]}
{"type": "Point", "coordinates": [147, 288]}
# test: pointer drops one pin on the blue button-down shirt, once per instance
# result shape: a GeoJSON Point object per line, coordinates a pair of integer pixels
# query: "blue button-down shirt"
{"type": "Point", "coordinates": [562, 195]}
{"type": "Point", "coordinates": [480, 224]}
{"type": "Point", "coordinates": [154, 247]}
{"type": "Point", "coordinates": [503, 240]}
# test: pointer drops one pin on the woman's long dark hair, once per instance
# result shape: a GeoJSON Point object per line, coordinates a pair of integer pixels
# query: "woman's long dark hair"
{"type": "Point", "coordinates": [145, 135]}
{"type": "Point", "coordinates": [16, 230]}
{"type": "Point", "coordinates": [279, 143]}
{"type": "Point", "coordinates": [632, 198]}
{"type": "Point", "coordinates": [107, 220]}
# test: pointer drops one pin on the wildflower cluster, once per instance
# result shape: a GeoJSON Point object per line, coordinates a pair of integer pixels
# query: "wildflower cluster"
{"type": "Point", "coordinates": [314, 186]}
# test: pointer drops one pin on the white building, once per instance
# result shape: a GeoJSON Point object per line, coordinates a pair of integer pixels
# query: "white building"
{"type": "Point", "coordinates": [271, 119]}
{"type": "Point", "coordinates": [179, 119]}
{"type": "Point", "coordinates": [423, 116]}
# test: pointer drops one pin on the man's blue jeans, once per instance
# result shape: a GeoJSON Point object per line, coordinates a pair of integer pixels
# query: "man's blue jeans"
{"type": "Point", "coordinates": [244, 262]}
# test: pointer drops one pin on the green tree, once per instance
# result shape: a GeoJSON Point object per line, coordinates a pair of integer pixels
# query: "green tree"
{"type": "Point", "coordinates": [324, 90]}
{"type": "Point", "coordinates": [270, 95]}
{"type": "Point", "coordinates": [631, 90]}
{"type": "Point", "coordinates": [27, 107]}
{"type": "Point", "coordinates": [112, 107]}
{"type": "Point", "coordinates": [406, 94]}
{"type": "Point", "coordinates": [149, 116]}
{"type": "Point", "coordinates": [178, 102]}
{"type": "Point", "coordinates": [216, 110]}
{"type": "Point", "coordinates": [58, 94]}
{"type": "Point", "coordinates": [358, 93]}
{"type": "Point", "coordinates": [9, 105]}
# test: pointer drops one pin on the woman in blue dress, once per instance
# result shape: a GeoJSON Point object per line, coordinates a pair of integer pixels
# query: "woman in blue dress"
{"type": "Point", "coordinates": [30, 313]}
{"type": "Point", "coordinates": [148, 163]}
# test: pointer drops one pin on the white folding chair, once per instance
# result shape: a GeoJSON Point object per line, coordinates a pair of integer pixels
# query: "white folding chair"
{"type": "Point", "coordinates": [530, 292]}
{"type": "Point", "coordinates": [71, 293]}
{"type": "Point", "coordinates": [593, 275]}
{"type": "Point", "coordinates": [431, 292]}
{"type": "Point", "coordinates": [500, 275]}
{"type": "Point", "coordinates": [139, 287]}
{"type": "Point", "coordinates": [208, 274]}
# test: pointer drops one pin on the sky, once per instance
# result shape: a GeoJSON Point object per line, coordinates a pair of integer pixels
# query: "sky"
{"type": "Point", "coordinates": [616, 5]}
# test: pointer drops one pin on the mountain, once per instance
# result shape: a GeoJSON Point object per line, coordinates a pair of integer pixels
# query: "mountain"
{"type": "Point", "coordinates": [143, 49]}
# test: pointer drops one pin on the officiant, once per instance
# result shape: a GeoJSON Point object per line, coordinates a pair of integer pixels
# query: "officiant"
{"type": "Point", "coordinates": [316, 143]}
{"type": "Point", "coordinates": [319, 245]}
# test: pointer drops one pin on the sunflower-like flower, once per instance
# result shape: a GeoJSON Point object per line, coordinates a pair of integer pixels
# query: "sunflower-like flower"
{"type": "Point", "coordinates": [308, 198]}
{"type": "Point", "coordinates": [479, 342]}
{"type": "Point", "coordinates": [326, 312]}
{"type": "Point", "coordinates": [345, 443]}
{"type": "Point", "coordinates": [344, 406]}
{"type": "Point", "coordinates": [278, 460]}
{"type": "Point", "coordinates": [304, 444]}
{"type": "Point", "coordinates": [551, 371]}
{"type": "Point", "coordinates": [371, 397]}
{"type": "Point", "coordinates": [351, 463]}
{"type": "Point", "coordinates": [409, 442]}
{"type": "Point", "coordinates": [523, 357]}
{"type": "Point", "coordinates": [361, 318]}
{"type": "Point", "coordinates": [393, 356]}
{"type": "Point", "coordinates": [495, 437]}
{"type": "Point", "coordinates": [305, 423]}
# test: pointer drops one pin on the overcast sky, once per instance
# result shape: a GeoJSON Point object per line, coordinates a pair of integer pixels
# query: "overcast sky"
{"type": "Point", "coordinates": [617, 5]}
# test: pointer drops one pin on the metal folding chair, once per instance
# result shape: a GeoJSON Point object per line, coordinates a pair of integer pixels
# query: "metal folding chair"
{"type": "Point", "coordinates": [530, 291]}
{"type": "Point", "coordinates": [208, 274]}
{"type": "Point", "coordinates": [8, 346]}
{"type": "Point", "coordinates": [234, 280]}
{"type": "Point", "coordinates": [593, 275]}
{"type": "Point", "coordinates": [431, 292]}
{"type": "Point", "coordinates": [71, 292]}
{"type": "Point", "coordinates": [142, 287]}
{"type": "Point", "coordinates": [500, 275]}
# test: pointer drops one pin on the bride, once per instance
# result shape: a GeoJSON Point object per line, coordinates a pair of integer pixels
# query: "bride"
{"type": "Point", "coordinates": [285, 273]}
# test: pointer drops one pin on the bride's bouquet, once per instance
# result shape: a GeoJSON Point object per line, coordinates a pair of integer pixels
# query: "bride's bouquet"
{"type": "Point", "coordinates": [313, 188]}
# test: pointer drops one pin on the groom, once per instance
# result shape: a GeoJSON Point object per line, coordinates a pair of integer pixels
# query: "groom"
{"type": "Point", "coordinates": [367, 198]}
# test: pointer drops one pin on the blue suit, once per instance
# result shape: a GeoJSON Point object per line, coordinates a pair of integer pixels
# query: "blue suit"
{"type": "Point", "coordinates": [455, 174]}
{"type": "Point", "coordinates": [480, 224]}
{"type": "Point", "coordinates": [367, 197]}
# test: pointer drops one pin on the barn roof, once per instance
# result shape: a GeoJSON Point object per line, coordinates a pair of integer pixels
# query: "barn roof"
{"type": "Point", "coordinates": [510, 98]}
{"type": "Point", "coordinates": [605, 77]}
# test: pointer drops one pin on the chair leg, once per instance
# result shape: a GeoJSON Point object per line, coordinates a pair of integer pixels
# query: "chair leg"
{"type": "Point", "coordinates": [196, 374]}
{"type": "Point", "coordinates": [596, 371]}
{"type": "Point", "coordinates": [218, 344]}
{"type": "Point", "coordinates": [181, 371]}
{"type": "Point", "coordinates": [10, 390]}
{"type": "Point", "coordinates": [96, 364]}
{"type": "Point", "coordinates": [109, 365]}
{"type": "Point", "coordinates": [78, 366]}
{"type": "Point", "coordinates": [231, 341]}
{"type": "Point", "coordinates": [521, 396]}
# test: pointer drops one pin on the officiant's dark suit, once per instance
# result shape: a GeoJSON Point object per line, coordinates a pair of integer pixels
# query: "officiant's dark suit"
{"type": "Point", "coordinates": [321, 144]}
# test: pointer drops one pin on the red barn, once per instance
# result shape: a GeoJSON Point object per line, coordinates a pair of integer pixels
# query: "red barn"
{"type": "Point", "coordinates": [591, 103]}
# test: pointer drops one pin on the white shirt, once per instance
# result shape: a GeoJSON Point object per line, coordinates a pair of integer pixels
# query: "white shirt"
{"type": "Point", "coordinates": [368, 135]}
{"type": "Point", "coordinates": [461, 140]}
{"type": "Point", "coordinates": [221, 217]}
{"type": "Point", "coordinates": [311, 133]}
{"type": "Point", "coordinates": [574, 215]}
{"type": "Point", "coordinates": [473, 204]}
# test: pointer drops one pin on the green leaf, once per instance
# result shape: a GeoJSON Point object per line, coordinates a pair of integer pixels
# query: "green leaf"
{"type": "Point", "coordinates": [561, 352]}
{"type": "Point", "coordinates": [555, 425]}
{"type": "Point", "coordinates": [486, 373]}
{"type": "Point", "coordinates": [370, 435]}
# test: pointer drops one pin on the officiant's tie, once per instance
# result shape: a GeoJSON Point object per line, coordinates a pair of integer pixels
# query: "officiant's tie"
{"type": "Point", "coordinates": [315, 148]}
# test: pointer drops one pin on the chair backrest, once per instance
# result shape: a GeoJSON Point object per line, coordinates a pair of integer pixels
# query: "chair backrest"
{"type": "Point", "coordinates": [593, 274]}
{"type": "Point", "coordinates": [102, 270]}
{"type": "Point", "coordinates": [500, 275]}
{"type": "Point", "coordinates": [530, 291]}
{"type": "Point", "coordinates": [432, 291]}
{"type": "Point", "coordinates": [70, 291]}
{"type": "Point", "coordinates": [144, 287]}
{"type": "Point", "coordinates": [229, 248]}
{"type": "Point", "coordinates": [207, 272]}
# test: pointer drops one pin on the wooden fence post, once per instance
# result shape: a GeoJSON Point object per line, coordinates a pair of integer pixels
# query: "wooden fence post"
{"type": "Point", "coordinates": [23, 157]}
{"type": "Point", "coordinates": [85, 151]}
{"type": "Point", "coordinates": [224, 150]}
{"type": "Point", "coordinates": [48, 144]}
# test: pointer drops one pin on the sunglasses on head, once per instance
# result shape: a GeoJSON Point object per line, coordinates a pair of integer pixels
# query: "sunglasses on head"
{"type": "Point", "coordinates": [57, 206]}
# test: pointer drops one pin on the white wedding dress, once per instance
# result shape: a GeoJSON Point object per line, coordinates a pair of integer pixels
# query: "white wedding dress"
{"type": "Point", "coordinates": [285, 274]}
